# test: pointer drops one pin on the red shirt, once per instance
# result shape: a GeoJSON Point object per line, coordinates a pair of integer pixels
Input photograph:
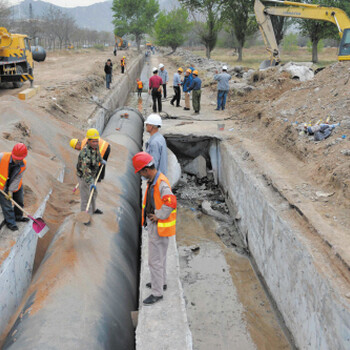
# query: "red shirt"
{"type": "Point", "coordinates": [155, 81]}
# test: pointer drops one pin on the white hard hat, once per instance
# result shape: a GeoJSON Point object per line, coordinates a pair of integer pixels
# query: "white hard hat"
{"type": "Point", "coordinates": [154, 119]}
{"type": "Point", "coordinates": [224, 67]}
{"type": "Point", "coordinates": [155, 69]}
{"type": "Point", "coordinates": [161, 65]}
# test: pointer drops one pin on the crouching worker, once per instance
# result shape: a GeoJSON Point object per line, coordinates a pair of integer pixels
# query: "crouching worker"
{"type": "Point", "coordinates": [159, 215]}
{"type": "Point", "coordinates": [104, 148]}
{"type": "Point", "coordinates": [87, 171]}
{"type": "Point", "coordinates": [12, 167]}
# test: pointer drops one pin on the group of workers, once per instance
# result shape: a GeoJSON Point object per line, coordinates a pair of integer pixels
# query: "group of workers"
{"type": "Point", "coordinates": [108, 69]}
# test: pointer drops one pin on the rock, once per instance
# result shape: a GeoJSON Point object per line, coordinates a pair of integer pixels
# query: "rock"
{"type": "Point", "coordinates": [346, 152]}
{"type": "Point", "coordinates": [298, 71]}
{"type": "Point", "coordinates": [197, 167]}
{"type": "Point", "coordinates": [207, 209]}
{"type": "Point", "coordinates": [320, 194]}
{"type": "Point", "coordinates": [240, 88]}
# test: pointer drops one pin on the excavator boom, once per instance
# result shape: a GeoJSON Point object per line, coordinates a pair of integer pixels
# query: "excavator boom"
{"type": "Point", "coordinates": [300, 10]}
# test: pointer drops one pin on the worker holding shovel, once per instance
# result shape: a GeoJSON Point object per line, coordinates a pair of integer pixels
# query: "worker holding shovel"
{"type": "Point", "coordinates": [88, 171]}
{"type": "Point", "coordinates": [12, 167]}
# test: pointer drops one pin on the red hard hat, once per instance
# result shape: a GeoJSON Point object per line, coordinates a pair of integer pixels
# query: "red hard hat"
{"type": "Point", "coordinates": [141, 160]}
{"type": "Point", "coordinates": [19, 151]}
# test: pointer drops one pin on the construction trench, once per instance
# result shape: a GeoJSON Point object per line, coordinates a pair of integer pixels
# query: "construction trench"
{"type": "Point", "coordinates": [242, 272]}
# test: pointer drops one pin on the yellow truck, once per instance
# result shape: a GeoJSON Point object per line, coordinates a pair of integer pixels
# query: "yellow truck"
{"type": "Point", "coordinates": [300, 10]}
{"type": "Point", "coordinates": [16, 59]}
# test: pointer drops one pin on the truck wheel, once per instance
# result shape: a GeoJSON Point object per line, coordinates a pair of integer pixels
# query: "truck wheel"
{"type": "Point", "coordinates": [18, 84]}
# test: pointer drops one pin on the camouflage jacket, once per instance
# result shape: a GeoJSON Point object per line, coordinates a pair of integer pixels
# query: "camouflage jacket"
{"type": "Point", "coordinates": [88, 164]}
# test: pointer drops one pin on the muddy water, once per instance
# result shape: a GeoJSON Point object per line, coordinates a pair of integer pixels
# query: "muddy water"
{"type": "Point", "coordinates": [227, 307]}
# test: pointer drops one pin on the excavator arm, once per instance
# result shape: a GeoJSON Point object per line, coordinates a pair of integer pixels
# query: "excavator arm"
{"type": "Point", "coordinates": [299, 10]}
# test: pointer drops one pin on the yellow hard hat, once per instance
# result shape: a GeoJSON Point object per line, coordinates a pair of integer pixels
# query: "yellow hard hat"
{"type": "Point", "coordinates": [123, 56]}
{"type": "Point", "coordinates": [73, 143]}
{"type": "Point", "coordinates": [92, 134]}
{"type": "Point", "coordinates": [188, 70]}
{"type": "Point", "coordinates": [180, 70]}
{"type": "Point", "coordinates": [195, 72]}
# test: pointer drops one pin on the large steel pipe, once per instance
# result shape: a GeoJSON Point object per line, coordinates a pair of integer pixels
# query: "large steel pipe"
{"type": "Point", "coordinates": [83, 293]}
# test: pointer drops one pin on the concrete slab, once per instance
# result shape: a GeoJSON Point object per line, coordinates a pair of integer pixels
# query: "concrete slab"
{"type": "Point", "coordinates": [28, 93]}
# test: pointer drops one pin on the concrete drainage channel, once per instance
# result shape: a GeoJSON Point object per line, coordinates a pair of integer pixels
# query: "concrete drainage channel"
{"type": "Point", "coordinates": [310, 309]}
{"type": "Point", "coordinates": [227, 306]}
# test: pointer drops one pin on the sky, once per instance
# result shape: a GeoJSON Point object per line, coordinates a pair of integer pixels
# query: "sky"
{"type": "Point", "coordinates": [63, 3]}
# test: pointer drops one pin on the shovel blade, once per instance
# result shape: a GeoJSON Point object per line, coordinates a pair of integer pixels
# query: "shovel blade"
{"type": "Point", "coordinates": [39, 226]}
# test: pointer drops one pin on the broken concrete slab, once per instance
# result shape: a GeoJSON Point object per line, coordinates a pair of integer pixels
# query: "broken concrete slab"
{"type": "Point", "coordinates": [207, 209]}
{"type": "Point", "coordinates": [197, 167]}
{"type": "Point", "coordinates": [298, 71]}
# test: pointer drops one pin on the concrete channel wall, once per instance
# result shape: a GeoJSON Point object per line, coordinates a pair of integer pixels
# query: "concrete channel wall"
{"type": "Point", "coordinates": [314, 310]}
{"type": "Point", "coordinates": [16, 270]}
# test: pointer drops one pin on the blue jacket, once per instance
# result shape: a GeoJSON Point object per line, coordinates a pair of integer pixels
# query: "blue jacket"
{"type": "Point", "coordinates": [187, 83]}
{"type": "Point", "coordinates": [196, 84]}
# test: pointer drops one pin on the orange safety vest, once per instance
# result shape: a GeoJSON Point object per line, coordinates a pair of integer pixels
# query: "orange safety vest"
{"type": "Point", "coordinates": [122, 62]}
{"type": "Point", "coordinates": [140, 84]}
{"type": "Point", "coordinates": [102, 145]}
{"type": "Point", "coordinates": [4, 170]}
{"type": "Point", "coordinates": [167, 227]}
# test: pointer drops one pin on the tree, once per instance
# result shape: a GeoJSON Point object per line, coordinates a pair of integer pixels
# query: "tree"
{"type": "Point", "coordinates": [279, 25]}
{"type": "Point", "coordinates": [236, 13]}
{"type": "Point", "coordinates": [171, 28]}
{"type": "Point", "coordinates": [317, 30]}
{"type": "Point", "coordinates": [134, 17]}
{"type": "Point", "coordinates": [207, 14]}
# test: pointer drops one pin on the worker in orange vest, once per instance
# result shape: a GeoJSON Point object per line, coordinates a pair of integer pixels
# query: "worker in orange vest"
{"type": "Point", "coordinates": [12, 167]}
{"type": "Point", "coordinates": [122, 64]}
{"type": "Point", "coordinates": [104, 147]}
{"type": "Point", "coordinates": [159, 215]}
{"type": "Point", "coordinates": [139, 87]}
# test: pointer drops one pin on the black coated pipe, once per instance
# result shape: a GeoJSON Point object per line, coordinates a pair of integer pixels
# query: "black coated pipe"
{"type": "Point", "coordinates": [84, 291]}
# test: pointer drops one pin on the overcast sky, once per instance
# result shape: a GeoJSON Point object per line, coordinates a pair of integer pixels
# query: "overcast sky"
{"type": "Point", "coordinates": [64, 3]}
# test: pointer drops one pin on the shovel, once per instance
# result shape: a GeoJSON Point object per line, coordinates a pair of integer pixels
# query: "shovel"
{"type": "Point", "coordinates": [39, 225]}
{"type": "Point", "coordinates": [84, 217]}
{"type": "Point", "coordinates": [76, 187]}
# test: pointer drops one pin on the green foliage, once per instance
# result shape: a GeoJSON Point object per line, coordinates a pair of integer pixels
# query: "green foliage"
{"type": "Point", "coordinates": [134, 17]}
{"type": "Point", "coordinates": [290, 42]}
{"type": "Point", "coordinates": [99, 47]}
{"type": "Point", "coordinates": [237, 14]}
{"type": "Point", "coordinates": [171, 28]}
{"type": "Point", "coordinates": [209, 24]}
{"type": "Point", "coordinates": [320, 46]}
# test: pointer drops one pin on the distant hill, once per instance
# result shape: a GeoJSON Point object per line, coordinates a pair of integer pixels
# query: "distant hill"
{"type": "Point", "coordinates": [97, 16]}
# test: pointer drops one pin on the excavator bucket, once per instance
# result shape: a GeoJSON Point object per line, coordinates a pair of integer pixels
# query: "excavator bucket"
{"type": "Point", "coordinates": [268, 63]}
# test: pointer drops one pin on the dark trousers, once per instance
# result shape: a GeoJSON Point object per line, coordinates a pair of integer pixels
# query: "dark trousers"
{"type": "Point", "coordinates": [11, 213]}
{"type": "Point", "coordinates": [164, 90]}
{"type": "Point", "coordinates": [222, 95]}
{"type": "Point", "coordinates": [105, 157]}
{"type": "Point", "coordinates": [122, 67]}
{"type": "Point", "coordinates": [157, 97]}
{"type": "Point", "coordinates": [139, 92]}
{"type": "Point", "coordinates": [108, 80]}
{"type": "Point", "coordinates": [177, 96]}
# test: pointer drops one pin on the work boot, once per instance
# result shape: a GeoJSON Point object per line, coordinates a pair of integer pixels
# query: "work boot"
{"type": "Point", "coordinates": [149, 285]}
{"type": "Point", "coordinates": [217, 109]}
{"type": "Point", "coordinates": [22, 219]}
{"type": "Point", "coordinates": [152, 300]}
{"type": "Point", "coordinates": [12, 227]}
{"type": "Point", "coordinates": [98, 211]}
{"type": "Point", "coordinates": [186, 109]}
{"type": "Point", "coordinates": [178, 106]}
{"type": "Point", "coordinates": [87, 223]}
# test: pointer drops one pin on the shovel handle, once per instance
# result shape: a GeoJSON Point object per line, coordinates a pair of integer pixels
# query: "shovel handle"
{"type": "Point", "coordinates": [76, 187]}
{"type": "Point", "coordinates": [92, 191]}
{"type": "Point", "coordinates": [15, 203]}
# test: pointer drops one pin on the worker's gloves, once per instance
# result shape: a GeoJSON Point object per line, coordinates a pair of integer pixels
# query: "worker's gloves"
{"type": "Point", "coordinates": [9, 196]}
{"type": "Point", "coordinates": [103, 162]}
{"type": "Point", "coordinates": [93, 187]}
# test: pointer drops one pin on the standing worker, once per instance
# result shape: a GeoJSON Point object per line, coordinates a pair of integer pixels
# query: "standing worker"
{"type": "Point", "coordinates": [177, 88]}
{"type": "Point", "coordinates": [103, 146]}
{"type": "Point", "coordinates": [156, 145]}
{"type": "Point", "coordinates": [159, 215]}
{"type": "Point", "coordinates": [163, 73]}
{"type": "Point", "coordinates": [195, 86]}
{"type": "Point", "coordinates": [223, 87]}
{"type": "Point", "coordinates": [122, 64]}
{"type": "Point", "coordinates": [155, 88]}
{"type": "Point", "coordinates": [139, 87]}
{"type": "Point", "coordinates": [185, 86]}
{"type": "Point", "coordinates": [108, 71]}
{"type": "Point", "coordinates": [87, 171]}
{"type": "Point", "coordinates": [12, 166]}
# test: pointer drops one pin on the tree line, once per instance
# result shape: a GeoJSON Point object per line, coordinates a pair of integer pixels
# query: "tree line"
{"type": "Point", "coordinates": [53, 29]}
{"type": "Point", "coordinates": [204, 19]}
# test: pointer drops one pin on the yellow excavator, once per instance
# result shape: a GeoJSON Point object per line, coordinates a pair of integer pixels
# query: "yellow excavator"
{"type": "Point", "coordinates": [16, 58]}
{"type": "Point", "coordinates": [300, 10]}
